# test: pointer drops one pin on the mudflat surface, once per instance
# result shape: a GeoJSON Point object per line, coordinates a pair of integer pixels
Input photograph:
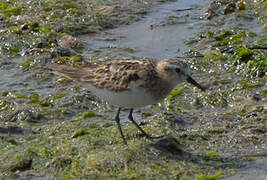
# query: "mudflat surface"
{"type": "Point", "coordinates": [54, 128]}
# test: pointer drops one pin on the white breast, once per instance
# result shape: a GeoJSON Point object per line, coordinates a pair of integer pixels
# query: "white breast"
{"type": "Point", "coordinates": [134, 97]}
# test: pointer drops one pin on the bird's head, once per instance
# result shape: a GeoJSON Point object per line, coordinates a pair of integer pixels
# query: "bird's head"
{"type": "Point", "coordinates": [177, 71]}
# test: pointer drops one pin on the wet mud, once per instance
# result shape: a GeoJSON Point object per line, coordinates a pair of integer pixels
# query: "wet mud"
{"type": "Point", "coordinates": [52, 128]}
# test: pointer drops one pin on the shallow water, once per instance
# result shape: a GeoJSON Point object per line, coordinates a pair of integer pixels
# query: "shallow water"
{"type": "Point", "coordinates": [256, 170]}
{"type": "Point", "coordinates": [161, 34]}
{"type": "Point", "coordinates": [18, 80]}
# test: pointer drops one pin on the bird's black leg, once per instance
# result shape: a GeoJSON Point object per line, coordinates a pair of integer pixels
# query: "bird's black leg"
{"type": "Point", "coordinates": [130, 117]}
{"type": "Point", "coordinates": [117, 118]}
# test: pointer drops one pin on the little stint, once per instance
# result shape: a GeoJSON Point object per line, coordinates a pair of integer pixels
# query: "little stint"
{"type": "Point", "coordinates": [130, 83]}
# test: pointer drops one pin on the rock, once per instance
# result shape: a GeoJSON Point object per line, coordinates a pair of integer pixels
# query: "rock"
{"type": "Point", "coordinates": [69, 41]}
{"type": "Point", "coordinates": [256, 97]}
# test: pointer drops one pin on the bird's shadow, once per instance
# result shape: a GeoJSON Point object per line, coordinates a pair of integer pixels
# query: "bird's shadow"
{"type": "Point", "coordinates": [6, 133]}
{"type": "Point", "coordinates": [171, 149]}
{"type": "Point", "coordinates": [14, 130]}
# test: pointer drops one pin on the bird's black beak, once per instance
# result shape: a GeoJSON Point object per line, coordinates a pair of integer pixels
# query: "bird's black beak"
{"type": "Point", "coordinates": [192, 81]}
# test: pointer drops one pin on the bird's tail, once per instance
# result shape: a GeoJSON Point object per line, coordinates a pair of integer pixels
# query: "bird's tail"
{"type": "Point", "coordinates": [67, 71]}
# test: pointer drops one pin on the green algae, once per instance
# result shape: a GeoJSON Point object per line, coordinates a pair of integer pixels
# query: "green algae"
{"type": "Point", "coordinates": [210, 177]}
{"type": "Point", "coordinates": [27, 62]}
{"type": "Point", "coordinates": [250, 158]}
{"type": "Point", "coordinates": [211, 156]}
{"type": "Point", "coordinates": [227, 38]}
{"type": "Point", "coordinates": [246, 58]}
{"type": "Point", "coordinates": [264, 93]}
{"type": "Point", "coordinates": [89, 114]}
{"type": "Point", "coordinates": [11, 11]}
{"type": "Point", "coordinates": [3, 5]}
{"type": "Point", "coordinates": [59, 96]}
{"type": "Point", "coordinates": [34, 98]}
{"type": "Point", "coordinates": [19, 96]}
{"type": "Point", "coordinates": [45, 102]}
{"type": "Point", "coordinates": [218, 99]}
{"type": "Point", "coordinates": [13, 49]}
{"type": "Point", "coordinates": [222, 35]}
{"type": "Point", "coordinates": [3, 105]}
{"type": "Point", "coordinates": [176, 92]}
{"type": "Point", "coordinates": [75, 59]}
{"type": "Point", "coordinates": [214, 56]}
{"type": "Point", "coordinates": [128, 50]}
{"type": "Point", "coordinates": [243, 55]}
{"type": "Point", "coordinates": [103, 155]}
{"type": "Point", "coordinates": [4, 93]}
{"type": "Point", "coordinates": [79, 133]}
{"type": "Point", "coordinates": [119, 49]}
{"type": "Point", "coordinates": [192, 53]}
{"type": "Point", "coordinates": [250, 84]}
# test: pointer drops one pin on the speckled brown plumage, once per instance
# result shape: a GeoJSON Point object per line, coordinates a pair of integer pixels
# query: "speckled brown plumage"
{"type": "Point", "coordinates": [115, 75]}
{"type": "Point", "coordinates": [130, 83]}
{"type": "Point", "coordinates": [118, 74]}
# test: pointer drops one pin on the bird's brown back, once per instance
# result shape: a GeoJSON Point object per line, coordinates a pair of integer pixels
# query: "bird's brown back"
{"type": "Point", "coordinates": [115, 75]}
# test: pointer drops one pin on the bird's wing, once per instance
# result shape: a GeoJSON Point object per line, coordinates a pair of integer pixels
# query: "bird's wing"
{"type": "Point", "coordinates": [68, 71]}
{"type": "Point", "coordinates": [115, 75]}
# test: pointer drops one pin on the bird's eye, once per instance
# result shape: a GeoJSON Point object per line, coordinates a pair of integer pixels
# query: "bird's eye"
{"type": "Point", "coordinates": [178, 70]}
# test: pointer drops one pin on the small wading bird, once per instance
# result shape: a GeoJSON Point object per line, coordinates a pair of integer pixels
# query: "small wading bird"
{"type": "Point", "coordinates": [130, 83]}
